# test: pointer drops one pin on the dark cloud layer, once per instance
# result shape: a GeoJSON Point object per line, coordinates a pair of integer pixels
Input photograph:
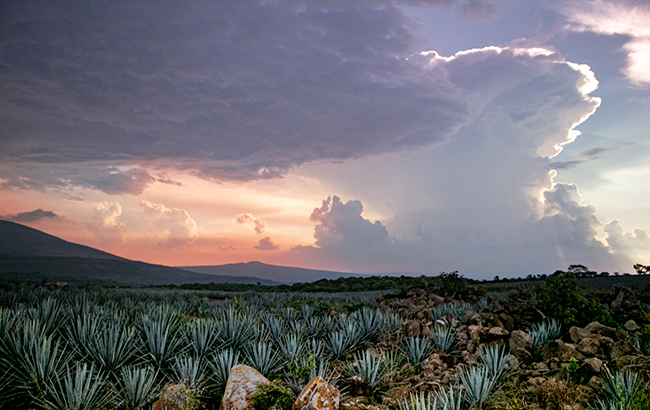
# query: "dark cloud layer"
{"type": "Point", "coordinates": [229, 90]}
{"type": "Point", "coordinates": [32, 216]}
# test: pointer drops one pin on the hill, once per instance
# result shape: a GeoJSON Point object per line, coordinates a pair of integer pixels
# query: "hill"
{"type": "Point", "coordinates": [29, 254]}
{"type": "Point", "coordinates": [282, 274]}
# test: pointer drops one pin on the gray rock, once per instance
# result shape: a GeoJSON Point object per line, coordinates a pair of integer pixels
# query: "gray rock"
{"type": "Point", "coordinates": [623, 348]}
{"type": "Point", "coordinates": [631, 326]}
{"type": "Point", "coordinates": [600, 329]}
{"type": "Point", "coordinates": [560, 350]}
{"type": "Point", "coordinates": [590, 347]}
{"type": "Point", "coordinates": [577, 334]}
{"type": "Point", "coordinates": [521, 345]}
{"type": "Point", "coordinates": [594, 365]}
{"type": "Point", "coordinates": [241, 386]}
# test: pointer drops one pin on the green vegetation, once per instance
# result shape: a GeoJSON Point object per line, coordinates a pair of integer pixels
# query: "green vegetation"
{"type": "Point", "coordinates": [273, 396]}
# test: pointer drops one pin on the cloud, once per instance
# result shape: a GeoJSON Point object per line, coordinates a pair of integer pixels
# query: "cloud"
{"type": "Point", "coordinates": [476, 10]}
{"type": "Point", "coordinates": [635, 244]}
{"type": "Point", "coordinates": [114, 181]}
{"type": "Point", "coordinates": [616, 17]}
{"type": "Point", "coordinates": [266, 244]}
{"type": "Point", "coordinates": [249, 219]}
{"type": "Point", "coordinates": [105, 225]}
{"type": "Point", "coordinates": [32, 216]}
{"type": "Point", "coordinates": [178, 226]}
{"type": "Point", "coordinates": [340, 224]}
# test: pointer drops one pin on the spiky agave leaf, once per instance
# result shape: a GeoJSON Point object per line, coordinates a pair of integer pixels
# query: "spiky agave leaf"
{"type": "Point", "coordinates": [260, 356]}
{"type": "Point", "coordinates": [369, 367]}
{"type": "Point", "coordinates": [419, 402]}
{"type": "Point", "coordinates": [113, 346]}
{"type": "Point", "coordinates": [444, 337]}
{"type": "Point", "coordinates": [190, 371]}
{"type": "Point", "coordinates": [478, 384]}
{"type": "Point", "coordinates": [221, 363]}
{"type": "Point", "coordinates": [137, 386]}
{"type": "Point", "coordinates": [451, 399]}
{"type": "Point", "coordinates": [545, 331]}
{"type": "Point", "coordinates": [621, 386]}
{"type": "Point", "coordinates": [417, 349]}
{"type": "Point", "coordinates": [81, 390]}
{"type": "Point", "coordinates": [50, 313]}
{"type": "Point", "coordinates": [495, 359]}
{"type": "Point", "coordinates": [201, 335]}
{"type": "Point", "coordinates": [338, 344]}
{"type": "Point", "coordinates": [292, 347]}
{"type": "Point", "coordinates": [161, 336]}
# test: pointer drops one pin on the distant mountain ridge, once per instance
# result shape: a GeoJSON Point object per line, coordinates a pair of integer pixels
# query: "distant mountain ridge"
{"type": "Point", "coordinates": [282, 274]}
{"type": "Point", "coordinates": [30, 254]}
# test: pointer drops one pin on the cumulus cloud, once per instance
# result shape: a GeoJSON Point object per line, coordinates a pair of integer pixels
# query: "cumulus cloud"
{"type": "Point", "coordinates": [340, 224]}
{"type": "Point", "coordinates": [177, 225]}
{"type": "Point", "coordinates": [32, 216]}
{"type": "Point", "coordinates": [611, 17]}
{"type": "Point", "coordinates": [479, 10]}
{"type": "Point", "coordinates": [250, 219]}
{"type": "Point", "coordinates": [266, 244]}
{"type": "Point", "coordinates": [105, 225]}
{"type": "Point", "coordinates": [636, 243]}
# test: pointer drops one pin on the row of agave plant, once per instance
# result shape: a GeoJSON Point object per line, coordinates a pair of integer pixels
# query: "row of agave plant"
{"type": "Point", "coordinates": [93, 352]}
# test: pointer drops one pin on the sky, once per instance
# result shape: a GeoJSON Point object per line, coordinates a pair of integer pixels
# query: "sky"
{"type": "Point", "coordinates": [489, 137]}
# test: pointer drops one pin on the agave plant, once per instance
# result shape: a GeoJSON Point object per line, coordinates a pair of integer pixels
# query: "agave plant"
{"type": "Point", "coordinates": [291, 347]}
{"type": "Point", "coordinates": [307, 312]}
{"type": "Point", "coordinates": [417, 349]}
{"type": "Point", "coordinates": [371, 322]}
{"type": "Point", "coordinates": [275, 328]}
{"type": "Point", "coordinates": [495, 359]}
{"type": "Point", "coordinates": [161, 335]}
{"type": "Point", "coordinates": [260, 355]}
{"type": "Point", "coordinates": [478, 384]}
{"type": "Point", "coordinates": [112, 347]}
{"type": "Point", "coordinates": [201, 335]}
{"type": "Point", "coordinates": [419, 402]}
{"type": "Point", "coordinates": [622, 386]}
{"type": "Point", "coordinates": [444, 338]}
{"type": "Point", "coordinates": [235, 328]}
{"type": "Point", "coordinates": [313, 327]}
{"type": "Point", "coordinates": [190, 371]}
{"type": "Point", "coordinates": [221, 363]}
{"type": "Point", "coordinates": [289, 315]}
{"type": "Point", "coordinates": [137, 386]}
{"type": "Point", "coordinates": [545, 331]}
{"type": "Point", "coordinates": [50, 313]}
{"type": "Point", "coordinates": [81, 390]}
{"type": "Point", "coordinates": [369, 367]}
{"type": "Point", "coordinates": [338, 344]}
{"type": "Point", "coordinates": [451, 399]}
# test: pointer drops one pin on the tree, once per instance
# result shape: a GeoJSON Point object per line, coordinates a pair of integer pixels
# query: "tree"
{"type": "Point", "coordinates": [642, 269]}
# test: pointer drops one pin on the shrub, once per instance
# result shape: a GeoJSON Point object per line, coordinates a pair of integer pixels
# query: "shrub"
{"type": "Point", "coordinates": [560, 297]}
{"type": "Point", "coordinates": [273, 396]}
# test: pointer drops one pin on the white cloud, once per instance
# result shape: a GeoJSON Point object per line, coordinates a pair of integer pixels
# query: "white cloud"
{"type": "Point", "coordinates": [105, 225]}
{"type": "Point", "coordinates": [611, 17]}
{"type": "Point", "coordinates": [635, 244]}
{"type": "Point", "coordinates": [251, 220]}
{"type": "Point", "coordinates": [178, 226]}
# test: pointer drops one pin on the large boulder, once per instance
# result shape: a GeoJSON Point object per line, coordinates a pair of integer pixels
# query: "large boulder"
{"type": "Point", "coordinates": [577, 334]}
{"type": "Point", "coordinates": [318, 394]}
{"type": "Point", "coordinates": [600, 329]}
{"type": "Point", "coordinates": [560, 350]}
{"type": "Point", "coordinates": [521, 345]}
{"type": "Point", "coordinates": [176, 397]}
{"type": "Point", "coordinates": [241, 386]}
{"type": "Point", "coordinates": [590, 347]}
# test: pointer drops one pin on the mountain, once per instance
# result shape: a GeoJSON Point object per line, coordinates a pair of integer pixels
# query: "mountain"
{"type": "Point", "coordinates": [29, 254]}
{"type": "Point", "coordinates": [282, 274]}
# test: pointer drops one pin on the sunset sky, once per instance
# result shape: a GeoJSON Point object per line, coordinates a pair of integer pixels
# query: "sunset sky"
{"type": "Point", "coordinates": [492, 137]}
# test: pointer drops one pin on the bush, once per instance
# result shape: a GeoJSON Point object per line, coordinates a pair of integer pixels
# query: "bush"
{"type": "Point", "coordinates": [453, 284]}
{"type": "Point", "coordinates": [274, 396]}
{"type": "Point", "coordinates": [561, 298]}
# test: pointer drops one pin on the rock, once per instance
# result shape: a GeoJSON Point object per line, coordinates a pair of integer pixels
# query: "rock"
{"type": "Point", "coordinates": [396, 396]}
{"type": "Point", "coordinates": [241, 386]}
{"type": "Point", "coordinates": [590, 347]}
{"type": "Point", "coordinates": [593, 365]}
{"type": "Point", "coordinates": [521, 345]}
{"type": "Point", "coordinates": [623, 361]}
{"type": "Point", "coordinates": [318, 394]}
{"type": "Point", "coordinates": [175, 397]}
{"type": "Point", "coordinates": [536, 381]}
{"type": "Point", "coordinates": [623, 348]}
{"type": "Point", "coordinates": [600, 329]}
{"type": "Point", "coordinates": [414, 328]}
{"type": "Point", "coordinates": [631, 326]}
{"type": "Point", "coordinates": [577, 334]}
{"type": "Point", "coordinates": [596, 383]}
{"type": "Point", "coordinates": [437, 300]}
{"type": "Point", "coordinates": [558, 349]}
{"type": "Point", "coordinates": [498, 332]}
{"type": "Point", "coordinates": [541, 367]}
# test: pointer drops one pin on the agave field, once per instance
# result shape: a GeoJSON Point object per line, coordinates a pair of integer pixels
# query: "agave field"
{"type": "Point", "coordinates": [120, 348]}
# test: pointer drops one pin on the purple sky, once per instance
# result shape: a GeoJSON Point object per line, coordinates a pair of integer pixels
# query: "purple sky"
{"type": "Point", "coordinates": [490, 137]}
